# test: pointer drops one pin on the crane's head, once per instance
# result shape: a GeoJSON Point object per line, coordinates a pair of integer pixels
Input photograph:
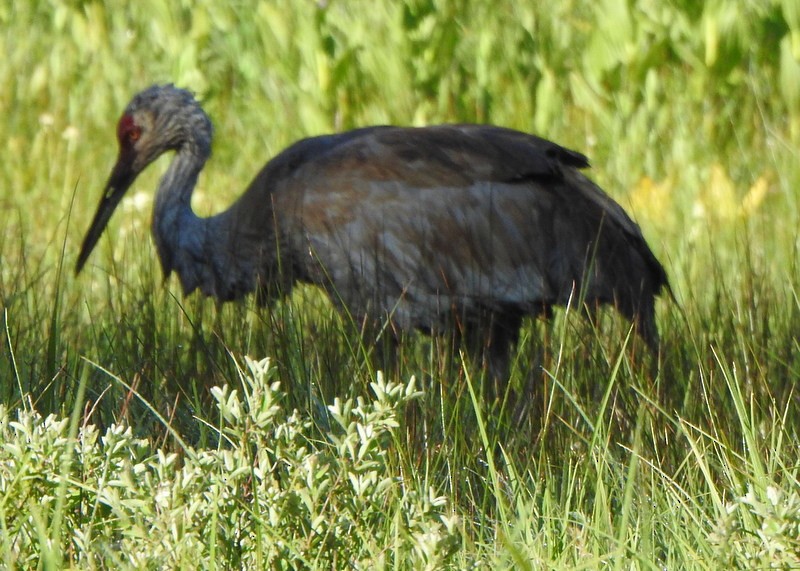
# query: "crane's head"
{"type": "Point", "coordinates": [159, 119]}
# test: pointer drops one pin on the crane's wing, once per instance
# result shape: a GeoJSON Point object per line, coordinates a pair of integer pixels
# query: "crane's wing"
{"type": "Point", "coordinates": [417, 222]}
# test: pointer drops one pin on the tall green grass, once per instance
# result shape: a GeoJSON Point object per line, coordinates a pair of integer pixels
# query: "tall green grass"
{"type": "Point", "coordinates": [690, 114]}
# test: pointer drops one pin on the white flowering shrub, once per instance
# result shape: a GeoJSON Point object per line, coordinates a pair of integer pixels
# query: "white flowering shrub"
{"type": "Point", "coordinates": [760, 530]}
{"type": "Point", "coordinates": [276, 493]}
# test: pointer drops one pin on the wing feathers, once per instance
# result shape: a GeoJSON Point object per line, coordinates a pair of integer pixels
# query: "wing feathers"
{"type": "Point", "coordinates": [416, 221]}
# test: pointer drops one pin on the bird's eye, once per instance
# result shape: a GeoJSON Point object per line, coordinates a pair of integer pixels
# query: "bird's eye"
{"type": "Point", "coordinates": [134, 134]}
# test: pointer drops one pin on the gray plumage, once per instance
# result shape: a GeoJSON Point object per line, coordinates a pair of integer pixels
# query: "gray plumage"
{"type": "Point", "coordinates": [471, 226]}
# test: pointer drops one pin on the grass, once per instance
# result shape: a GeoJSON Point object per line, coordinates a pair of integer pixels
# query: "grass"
{"type": "Point", "coordinates": [119, 452]}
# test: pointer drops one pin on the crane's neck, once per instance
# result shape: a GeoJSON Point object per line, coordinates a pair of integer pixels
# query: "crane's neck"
{"type": "Point", "coordinates": [205, 252]}
{"type": "Point", "coordinates": [176, 228]}
{"type": "Point", "coordinates": [174, 195]}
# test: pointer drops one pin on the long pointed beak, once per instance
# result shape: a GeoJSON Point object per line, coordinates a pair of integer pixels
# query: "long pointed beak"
{"type": "Point", "coordinates": [122, 176]}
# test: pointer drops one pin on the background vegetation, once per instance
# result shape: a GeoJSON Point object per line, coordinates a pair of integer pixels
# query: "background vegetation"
{"type": "Point", "coordinates": [690, 113]}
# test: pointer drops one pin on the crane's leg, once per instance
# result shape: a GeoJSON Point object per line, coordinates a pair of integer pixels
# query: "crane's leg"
{"type": "Point", "coordinates": [641, 311]}
{"type": "Point", "coordinates": [503, 335]}
{"type": "Point", "coordinates": [645, 320]}
{"type": "Point", "coordinates": [488, 338]}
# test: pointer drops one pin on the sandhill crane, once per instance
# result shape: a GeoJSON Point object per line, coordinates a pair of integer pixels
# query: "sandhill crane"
{"type": "Point", "coordinates": [467, 226]}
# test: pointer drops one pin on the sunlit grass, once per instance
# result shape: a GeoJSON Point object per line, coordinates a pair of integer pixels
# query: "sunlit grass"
{"type": "Point", "coordinates": [619, 459]}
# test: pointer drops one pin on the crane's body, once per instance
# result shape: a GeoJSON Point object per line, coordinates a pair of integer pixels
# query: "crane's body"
{"type": "Point", "coordinates": [427, 227]}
